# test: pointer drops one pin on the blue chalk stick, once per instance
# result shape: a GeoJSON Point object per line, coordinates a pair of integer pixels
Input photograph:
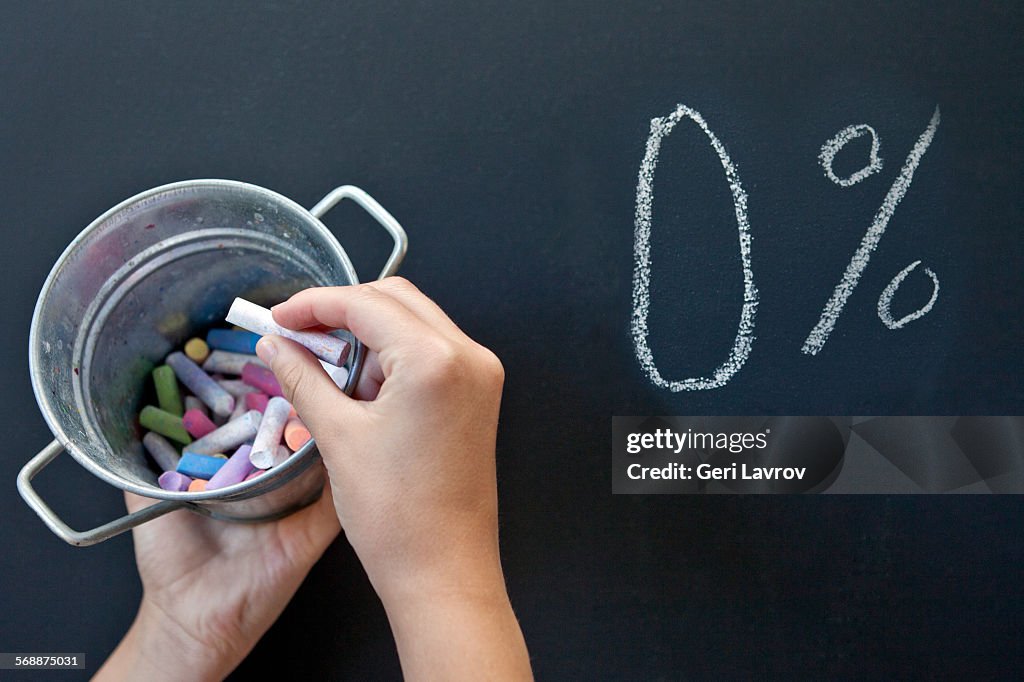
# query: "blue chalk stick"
{"type": "Point", "coordinates": [232, 340]}
{"type": "Point", "coordinates": [199, 466]}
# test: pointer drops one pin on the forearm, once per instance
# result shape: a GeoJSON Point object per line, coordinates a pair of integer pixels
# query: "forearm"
{"type": "Point", "coordinates": [155, 649]}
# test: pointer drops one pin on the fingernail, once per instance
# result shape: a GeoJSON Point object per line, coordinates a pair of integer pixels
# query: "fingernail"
{"type": "Point", "coordinates": [266, 350]}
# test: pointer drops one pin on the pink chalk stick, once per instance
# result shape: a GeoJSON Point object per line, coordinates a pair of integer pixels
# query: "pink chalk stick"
{"type": "Point", "coordinates": [261, 378]}
{"type": "Point", "coordinates": [197, 424]}
{"type": "Point", "coordinates": [254, 474]}
{"type": "Point", "coordinates": [256, 401]}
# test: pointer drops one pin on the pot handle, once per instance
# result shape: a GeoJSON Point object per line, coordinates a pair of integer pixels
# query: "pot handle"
{"type": "Point", "coordinates": [379, 214]}
{"type": "Point", "coordinates": [61, 529]}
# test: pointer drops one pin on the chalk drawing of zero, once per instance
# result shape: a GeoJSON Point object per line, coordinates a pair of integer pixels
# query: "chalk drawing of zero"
{"type": "Point", "coordinates": [660, 129]}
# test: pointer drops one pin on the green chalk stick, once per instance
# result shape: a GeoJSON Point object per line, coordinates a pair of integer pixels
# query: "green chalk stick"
{"type": "Point", "coordinates": [164, 423]}
{"type": "Point", "coordinates": [167, 394]}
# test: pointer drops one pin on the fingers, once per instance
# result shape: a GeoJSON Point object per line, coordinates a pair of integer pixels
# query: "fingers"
{"type": "Point", "coordinates": [305, 383]}
{"type": "Point", "coordinates": [419, 303]}
{"type": "Point", "coordinates": [378, 320]}
{"type": "Point", "coordinates": [370, 378]}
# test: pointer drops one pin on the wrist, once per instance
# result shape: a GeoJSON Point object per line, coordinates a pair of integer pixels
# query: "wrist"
{"type": "Point", "coordinates": [179, 647]}
{"type": "Point", "coordinates": [458, 632]}
{"type": "Point", "coordinates": [157, 647]}
{"type": "Point", "coordinates": [425, 594]}
{"type": "Point", "coordinates": [450, 584]}
{"type": "Point", "coordinates": [462, 572]}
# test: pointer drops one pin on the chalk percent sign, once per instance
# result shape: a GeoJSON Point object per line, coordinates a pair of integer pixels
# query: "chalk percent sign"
{"type": "Point", "coordinates": [660, 129]}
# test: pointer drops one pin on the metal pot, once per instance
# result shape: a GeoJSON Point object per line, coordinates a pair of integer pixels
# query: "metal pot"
{"type": "Point", "coordinates": [138, 282]}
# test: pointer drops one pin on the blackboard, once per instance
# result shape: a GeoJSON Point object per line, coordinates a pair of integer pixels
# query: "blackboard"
{"type": "Point", "coordinates": [508, 138]}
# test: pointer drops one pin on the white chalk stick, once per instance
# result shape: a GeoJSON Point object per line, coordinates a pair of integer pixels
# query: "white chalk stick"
{"type": "Point", "coordinates": [240, 409]}
{"type": "Point", "coordinates": [226, 362]}
{"type": "Point", "coordinates": [237, 387]}
{"type": "Point", "coordinates": [229, 436]}
{"type": "Point", "coordinates": [264, 454]}
{"type": "Point", "coordinates": [259, 320]}
{"type": "Point", "coordinates": [338, 374]}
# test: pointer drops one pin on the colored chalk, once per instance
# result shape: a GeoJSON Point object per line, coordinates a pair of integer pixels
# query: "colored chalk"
{"type": "Point", "coordinates": [197, 350]}
{"type": "Point", "coordinates": [197, 424]}
{"type": "Point", "coordinates": [199, 466]}
{"type": "Point", "coordinates": [339, 375]}
{"type": "Point", "coordinates": [257, 401]}
{"type": "Point", "coordinates": [166, 424]}
{"type": "Point", "coordinates": [174, 481]}
{"type": "Point", "coordinates": [194, 403]}
{"type": "Point", "coordinates": [279, 457]}
{"type": "Point", "coordinates": [254, 474]}
{"type": "Point", "coordinates": [234, 470]}
{"type": "Point", "coordinates": [168, 397]}
{"type": "Point", "coordinates": [264, 449]}
{"type": "Point", "coordinates": [229, 363]}
{"type": "Point", "coordinates": [229, 436]}
{"type": "Point", "coordinates": [199, 382]}
{"type": "Point", "coordinates": [197, 486]}
{"type": "Point", "coordinates": [163, 453]}
{"type": "Point", "coordinates": [263, 379]}
{"type": "Point", "coordinates": [240, 409]}
{"type": "Point", "coordinates": [259, 320]}
{"type": "Point", "coordinates": [231, 340]}
{"type": "Point", "coordinates": [295, 433]}
{"type": "Point", "coordinates": [237, 387]}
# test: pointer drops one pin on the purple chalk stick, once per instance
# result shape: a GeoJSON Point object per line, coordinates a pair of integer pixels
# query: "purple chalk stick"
{"type": "Point", "coordinates": [234, 470]}
{"type": "Point", "coordinates": [172, 480]}
{"type": "Point", "coordinates": [160, 449]}
{"type": "Point", "coordinates": [199, 382]}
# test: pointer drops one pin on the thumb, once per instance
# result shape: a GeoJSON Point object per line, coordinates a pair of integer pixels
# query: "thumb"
{"type": "Point", "coordinates": [304, 382]}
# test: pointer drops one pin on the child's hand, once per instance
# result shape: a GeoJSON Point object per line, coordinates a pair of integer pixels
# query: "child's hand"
{"type": "Point", "coordinates": [212, 588]}
{"type": "Point", "coordinates": [411, 464]}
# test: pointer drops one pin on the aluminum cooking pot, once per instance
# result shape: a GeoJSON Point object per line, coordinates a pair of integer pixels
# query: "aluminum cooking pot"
{"type": "Point", "coordinates": [138, 282]}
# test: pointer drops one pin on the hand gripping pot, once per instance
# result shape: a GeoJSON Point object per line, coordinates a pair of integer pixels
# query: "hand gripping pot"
{"type": "Point", "coordinates": [137, 283]}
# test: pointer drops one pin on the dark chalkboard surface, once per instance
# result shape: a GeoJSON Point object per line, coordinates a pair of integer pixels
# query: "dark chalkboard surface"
{"type": "Point", "coordinates": [508, 138]}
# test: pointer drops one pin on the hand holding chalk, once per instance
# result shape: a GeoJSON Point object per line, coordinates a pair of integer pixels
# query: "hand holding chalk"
{"type": "Point", "coordinates": [411, 464]}
{"type": "Point", "coordinates": [412, 458]}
